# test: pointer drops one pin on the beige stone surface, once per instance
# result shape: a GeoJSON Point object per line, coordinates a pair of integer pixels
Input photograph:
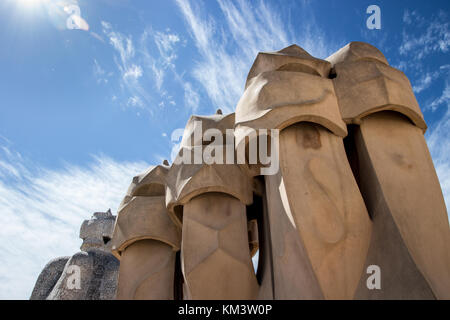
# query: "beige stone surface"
{"type": "Point", "coordinates": [185, 181]}
{"type": "Point", "coordinates": [146, 240]}
{"type": "Point", "coordinates": [293, 275]}
{"type": "Point", "coordinates": [209, 202]}
{"type": "Point", "coordinates": [403, 187]}
{"type": "Point", "coordinates": [318, 222]}
{"type": "Point", "coordinates": [191, 180]}
{"type": "Point", "coordinates": [357, 51]}
{"type": "Point", "coordinates": [147, 271]}
{"type": "Point", "coordinates": [292, 58]}
{"type": "Point", "coordinates": [356, 187]}
{"type": "Point", "coordinates": [277, 99]}
{"type": "Point", "coordinates": [144, 218]}
{"type": "Point", "coordinates": [284, 88]}
{"type": "Point", "coordinates": [396, 175]}
{"type": "Point", "coordinates": [365, 84]}
{"type": "Point", "coordinates": [150, 183]}
{"type": "Point", "coordinates": [217, 121]}
{"type": "Point", "coordinates": [215, 252]}
{"type": "Point", "coordinates": [325, 206]}
{"type": "Point", "coordinates": [400, 277]}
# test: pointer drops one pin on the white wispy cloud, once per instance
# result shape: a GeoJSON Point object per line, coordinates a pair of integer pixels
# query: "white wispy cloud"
{"type": "Point", "coordinates": [191, 97]}
{"type": "Point", "coordinates": [129, 67]}
{"type": "Point", "coordinates": [227, 50]}
{"type": "Point", "coordinates": [425, 81]}
{"type": "Point", "coordinates": [166, 44]}
{"type": "Point", "coordinates": [158, 74]}
{"type": "Point", "coordinates": [444, 99]}
{"type": "Point", "coordinates": [412, 17]}
{"type": "Point", "coordinates": [97, 36]}
{"type": "Point", "coordinates": [134, 72]}
{"type": "Point", "coordinates": [435, 36]}
{"type": "Point", "coordinates": [424, 39]}
{"type": "Point", "coordinates": [150, 58]}
{"type": "Point", "coordinates": [42, 210]}
{"type": "Point", "coordinates": [431, 78]}
{"type": "Point", "coordinates": [98, 70]}
{"type": "Point", "coordinates": [135, 101]}
{"type": "Point", "coordinates": [438, 139]}
{"type": "Point", "coordinates": [100, 74]}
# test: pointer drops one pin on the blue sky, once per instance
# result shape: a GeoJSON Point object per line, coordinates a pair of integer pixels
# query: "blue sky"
{"type": "Point", "coordinates": [82, 111]}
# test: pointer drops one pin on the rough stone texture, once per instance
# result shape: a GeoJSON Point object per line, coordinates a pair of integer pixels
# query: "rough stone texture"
{"type": "Point", "coordinates": [406, 204]}
{"type": "Point", "coordinates": [292, 58]}
{"type": "Point", "coordinates": [146, 240]}
{"type": "Point", "coordinates": [293, 275]}
{"type": "Point", "coordinates": [96, 266]}
{"type": "Point", "coordinates": [48, 278]}
{"type": "Point", "coordinates": [134, 223]}
{"type": "Point", "coordinates": [97, 232]}
{"type": "Point", "coordinates": [212, 199]}
{"type": "Point", "coordinates": [150, 183]}
{"type": "Point", "coordinates": [319, 227]}
{"type": "Point", "coordinates": [279, 97]}
{"type": "Point", "coordinates": [325, 206]}
{"type": "Point", "coordinates": [215, 249]}
{"type": "Point", "coordinates": [98, 271]}
{"type": "Point", "coordinates": [147, 270]}
{"type": "Point", "coordinates": [365, 84]}
{"type": "Point", "coordinates": [185, 181]}
{"type": "Point", "coordinates": [356, 187]}
{"type": "Point", "coordinates": [396, 176]}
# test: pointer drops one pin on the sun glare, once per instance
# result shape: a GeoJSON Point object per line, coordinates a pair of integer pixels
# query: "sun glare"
{"type": "Point", "coordinates": [29, 3]}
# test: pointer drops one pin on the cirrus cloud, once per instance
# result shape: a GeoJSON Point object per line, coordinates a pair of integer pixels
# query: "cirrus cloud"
{"type": "Point", "coordinates": [42, 211]}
